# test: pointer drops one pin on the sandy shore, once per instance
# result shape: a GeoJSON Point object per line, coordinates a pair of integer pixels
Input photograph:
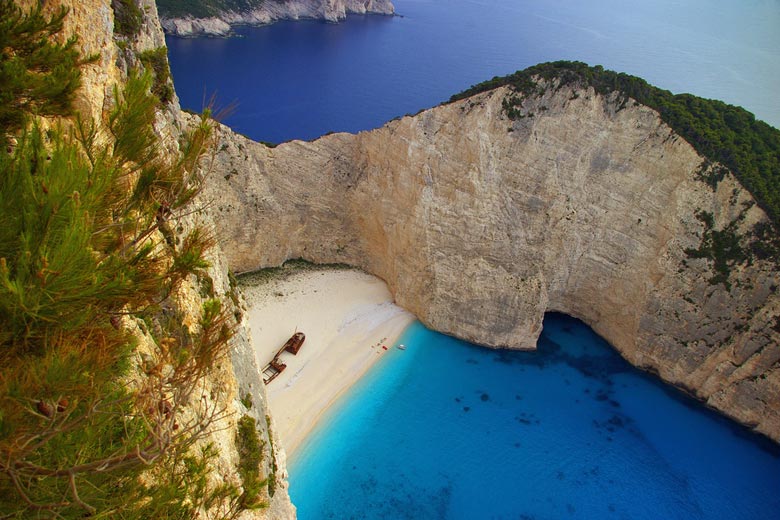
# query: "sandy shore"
{"type": "Point", "coordinates": [348, 317]}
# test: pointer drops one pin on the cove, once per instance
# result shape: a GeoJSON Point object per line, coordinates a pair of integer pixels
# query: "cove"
{"type": "Point", "coordinates": [300, 80]}
{"type": "Point", "coordinates": [446, 429]}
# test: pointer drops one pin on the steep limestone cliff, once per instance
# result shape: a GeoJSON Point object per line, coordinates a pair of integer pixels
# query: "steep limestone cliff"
{"type": "Point", "coordinates": [481, 224]}
{"type": "Point", "coordinates": [231, 385]}
{"type": "Point", "coordinates": [217, 21]}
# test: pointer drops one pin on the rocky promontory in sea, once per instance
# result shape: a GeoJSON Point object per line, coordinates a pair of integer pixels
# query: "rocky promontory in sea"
{"type": "Point", "coordinates": [212, 18]}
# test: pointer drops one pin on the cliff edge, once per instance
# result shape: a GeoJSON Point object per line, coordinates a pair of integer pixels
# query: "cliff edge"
{"type": "Point", "coordinates": [582, 203]}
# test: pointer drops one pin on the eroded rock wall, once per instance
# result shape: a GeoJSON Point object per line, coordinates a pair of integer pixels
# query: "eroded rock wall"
{"type": "Point", "coordinates": [269, 11]}
{"type": "Point", "coordinates": [480, 225]}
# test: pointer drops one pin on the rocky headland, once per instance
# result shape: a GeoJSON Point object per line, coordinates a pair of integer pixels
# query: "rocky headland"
{"type": "Point", "coordinates": [581, 203]}
{"type": "Point", "coordinates": [216, 19]}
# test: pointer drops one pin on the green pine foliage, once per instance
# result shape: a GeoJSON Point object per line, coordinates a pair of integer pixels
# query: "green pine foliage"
{"type": "Point", "coordinates": [720, 132]}
{"type": "Point", "coordinates": [250, 452]}
{"type": "Point", "coordinates": [128, 18]}
{"type": "Point", "coordinates": [37, 76]}
{"type": "Point", "coordinates": [77, 253]}
{"type": "Point", "coordinates": [156, 60]}
{"type": "Point", "coordinates": [86, 250]}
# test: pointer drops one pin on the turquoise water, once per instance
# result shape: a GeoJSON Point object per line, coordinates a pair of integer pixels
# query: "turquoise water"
{"type": "Point", "coordinates": [445, 429]}
{"type": "Point", "coordinates": [303, 79]}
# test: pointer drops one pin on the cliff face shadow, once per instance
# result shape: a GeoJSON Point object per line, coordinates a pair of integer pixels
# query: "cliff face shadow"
{"type": "Point", "coordinates": [598, 360]}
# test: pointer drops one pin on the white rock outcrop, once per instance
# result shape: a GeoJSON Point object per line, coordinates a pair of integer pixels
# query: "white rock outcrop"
{"type": "Point", "coordinates": [270, 11]}
{"type": "Point", "coordinates": [480, 225]}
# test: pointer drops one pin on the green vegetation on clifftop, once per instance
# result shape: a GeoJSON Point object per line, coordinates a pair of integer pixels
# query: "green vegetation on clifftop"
{"type": "Point", "coordinates": [720, 132]}
{"type": "Point", "coordinates": [203, 8]}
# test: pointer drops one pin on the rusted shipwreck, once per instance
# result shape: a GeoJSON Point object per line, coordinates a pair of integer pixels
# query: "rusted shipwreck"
{"type": "Point", "coordinates": [293, 344]}
{"type": "Point", "coordinates": [275, 367]}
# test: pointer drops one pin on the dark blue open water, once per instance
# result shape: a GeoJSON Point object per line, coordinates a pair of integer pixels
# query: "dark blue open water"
{"type": "Point", "coordinates": [445, 429]}
{"type": "Point", "coordinates": [303, 79]}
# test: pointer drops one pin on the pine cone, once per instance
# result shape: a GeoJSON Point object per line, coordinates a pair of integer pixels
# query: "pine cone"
{"type": "Point", "coordinates": [45, 408]}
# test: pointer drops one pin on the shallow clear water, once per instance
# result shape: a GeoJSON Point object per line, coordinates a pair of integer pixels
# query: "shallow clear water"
{"type": "Point", "coordinates": [446, 429]}
{"type": "Point", "coordinates": [303, 79]}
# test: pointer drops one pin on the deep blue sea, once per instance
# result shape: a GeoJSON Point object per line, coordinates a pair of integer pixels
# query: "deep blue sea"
{"type": "Point", "coordinates": [448, 430]}
{"type": "Point", "coordinates": [303, 79]}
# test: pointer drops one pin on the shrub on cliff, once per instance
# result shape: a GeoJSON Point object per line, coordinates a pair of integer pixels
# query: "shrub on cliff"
{"type": "Point", "coordinates": [36, 76]}
{"type": "Point", "coordinates": [156, 60]}
{"type": "Point", "coordinates": [87, 252]}
{"type": "Point", "coordinates": [128, 17]}
{"type": "Point", "coordinates": [250, 453]}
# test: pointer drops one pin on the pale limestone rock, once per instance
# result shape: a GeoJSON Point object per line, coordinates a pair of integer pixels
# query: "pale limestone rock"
{"type": "Point", "coordinates": [270, 11]}
{"type": "Point", "coordinates": [480, 225]}
{"type": "Point", "coordinates": [188, 26]}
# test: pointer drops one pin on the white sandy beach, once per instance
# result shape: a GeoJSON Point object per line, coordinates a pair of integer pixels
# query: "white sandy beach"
{"type": "Point", "coordinates": [348, 317]}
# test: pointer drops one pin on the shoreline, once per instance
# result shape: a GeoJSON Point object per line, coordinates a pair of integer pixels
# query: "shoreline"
{"type": "Point", "coordinates": [204, 31]}
{"type": "Point", "coordinates": [350, 321]}
{"type": "Point", "coordinates": [222, 25]}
